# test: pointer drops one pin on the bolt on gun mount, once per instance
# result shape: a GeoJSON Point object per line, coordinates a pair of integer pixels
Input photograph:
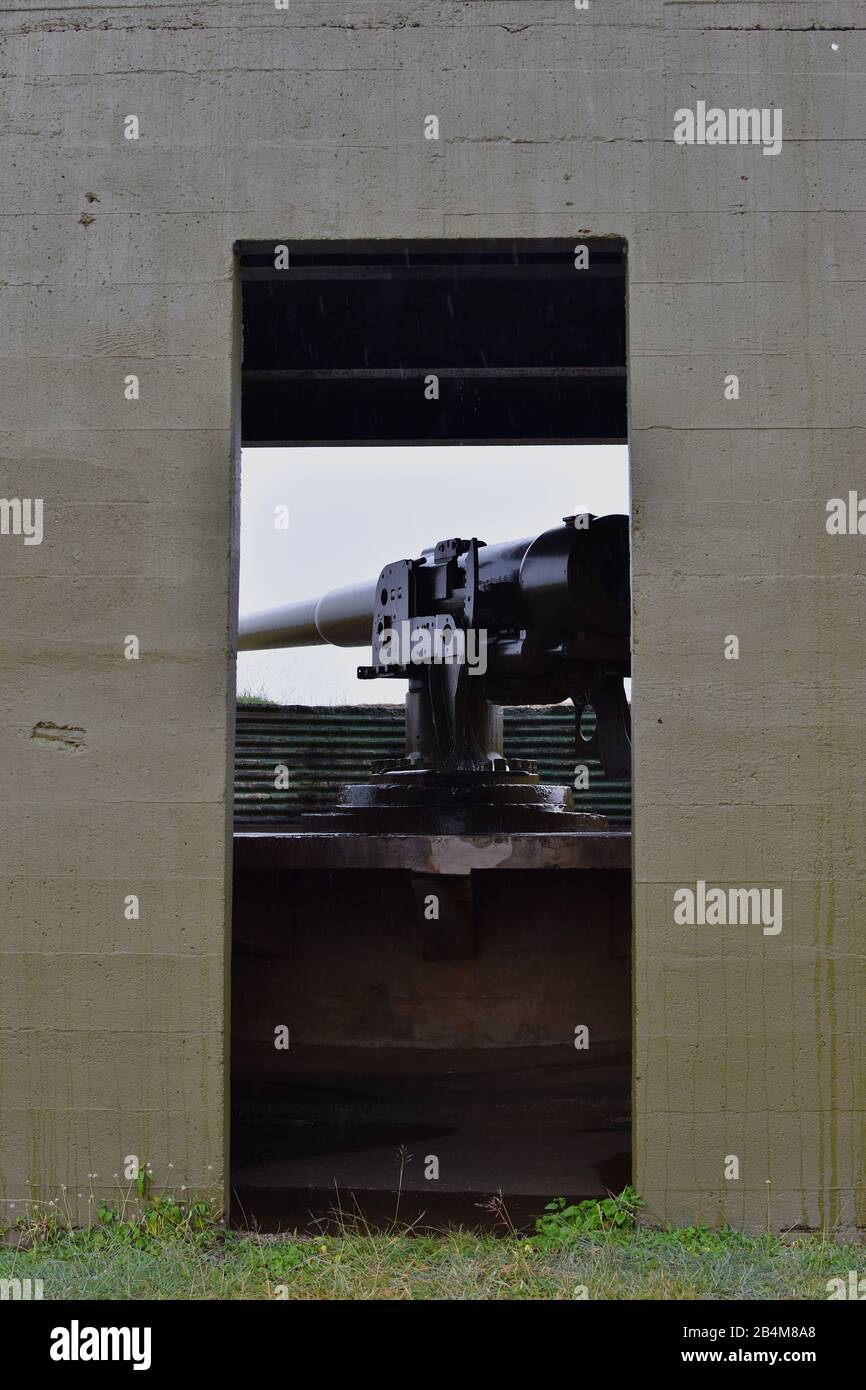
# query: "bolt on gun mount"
{"type": "Point", "coordinates": [474, 627]}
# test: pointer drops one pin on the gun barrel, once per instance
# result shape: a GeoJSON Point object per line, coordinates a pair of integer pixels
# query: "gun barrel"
{"type": "Point", "coordinates": [341, 618]}
{"type": "Point", "coordinates": [559, 582]}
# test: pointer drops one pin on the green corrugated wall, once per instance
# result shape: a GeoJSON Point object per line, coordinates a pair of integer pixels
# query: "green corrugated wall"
{"type": "Point", "coordinates": [325, 746]}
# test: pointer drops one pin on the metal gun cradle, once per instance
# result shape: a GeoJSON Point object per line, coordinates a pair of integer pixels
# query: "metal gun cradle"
{"type": "Point", "coordinates": [472, 627]}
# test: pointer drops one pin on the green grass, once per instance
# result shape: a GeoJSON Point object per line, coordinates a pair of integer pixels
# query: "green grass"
{"type": "Point", "coordinates": [183, 1263]}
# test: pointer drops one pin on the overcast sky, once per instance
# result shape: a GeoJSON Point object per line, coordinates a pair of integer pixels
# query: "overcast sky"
{"type": "Point", "coordinates": [352, 510]}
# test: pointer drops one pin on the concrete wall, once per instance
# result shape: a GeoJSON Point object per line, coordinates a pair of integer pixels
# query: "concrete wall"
{"type": "Point", "coordinates": [116, 258]}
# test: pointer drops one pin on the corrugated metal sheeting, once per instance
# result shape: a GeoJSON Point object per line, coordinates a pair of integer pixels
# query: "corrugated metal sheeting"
{"type": "Point", "coordinates": [321, 747]}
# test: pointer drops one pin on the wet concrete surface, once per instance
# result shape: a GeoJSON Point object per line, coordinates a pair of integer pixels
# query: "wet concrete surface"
{"type": "Point", "coordinates": [394, 1061]}
{"type": "Point", "coordinates": [367, 1167]}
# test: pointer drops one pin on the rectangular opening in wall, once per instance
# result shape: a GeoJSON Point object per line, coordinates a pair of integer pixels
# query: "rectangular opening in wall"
{"type": "Point", "coordinates": [431, 988]}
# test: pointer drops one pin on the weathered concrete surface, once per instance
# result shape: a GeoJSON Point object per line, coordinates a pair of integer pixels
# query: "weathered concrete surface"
{"type": "Point", "coordinates": [308, 123]}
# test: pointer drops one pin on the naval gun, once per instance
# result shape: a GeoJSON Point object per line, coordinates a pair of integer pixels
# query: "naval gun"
{"type": "Point", "coordinates": [475, 627]}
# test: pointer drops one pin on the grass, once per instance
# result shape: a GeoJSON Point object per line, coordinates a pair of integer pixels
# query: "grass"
{"type": "Point", "coordinates": [168, 1251]}
{"type": "Point", "coordinates": [254, 697]}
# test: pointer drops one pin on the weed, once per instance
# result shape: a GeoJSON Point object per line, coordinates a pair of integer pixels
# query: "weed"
{"type": "Point", "coordinates": [565, 1221]}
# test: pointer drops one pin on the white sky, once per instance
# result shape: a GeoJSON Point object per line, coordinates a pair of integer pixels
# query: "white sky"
{"type": "Point", "coordinates": [352, 510]}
